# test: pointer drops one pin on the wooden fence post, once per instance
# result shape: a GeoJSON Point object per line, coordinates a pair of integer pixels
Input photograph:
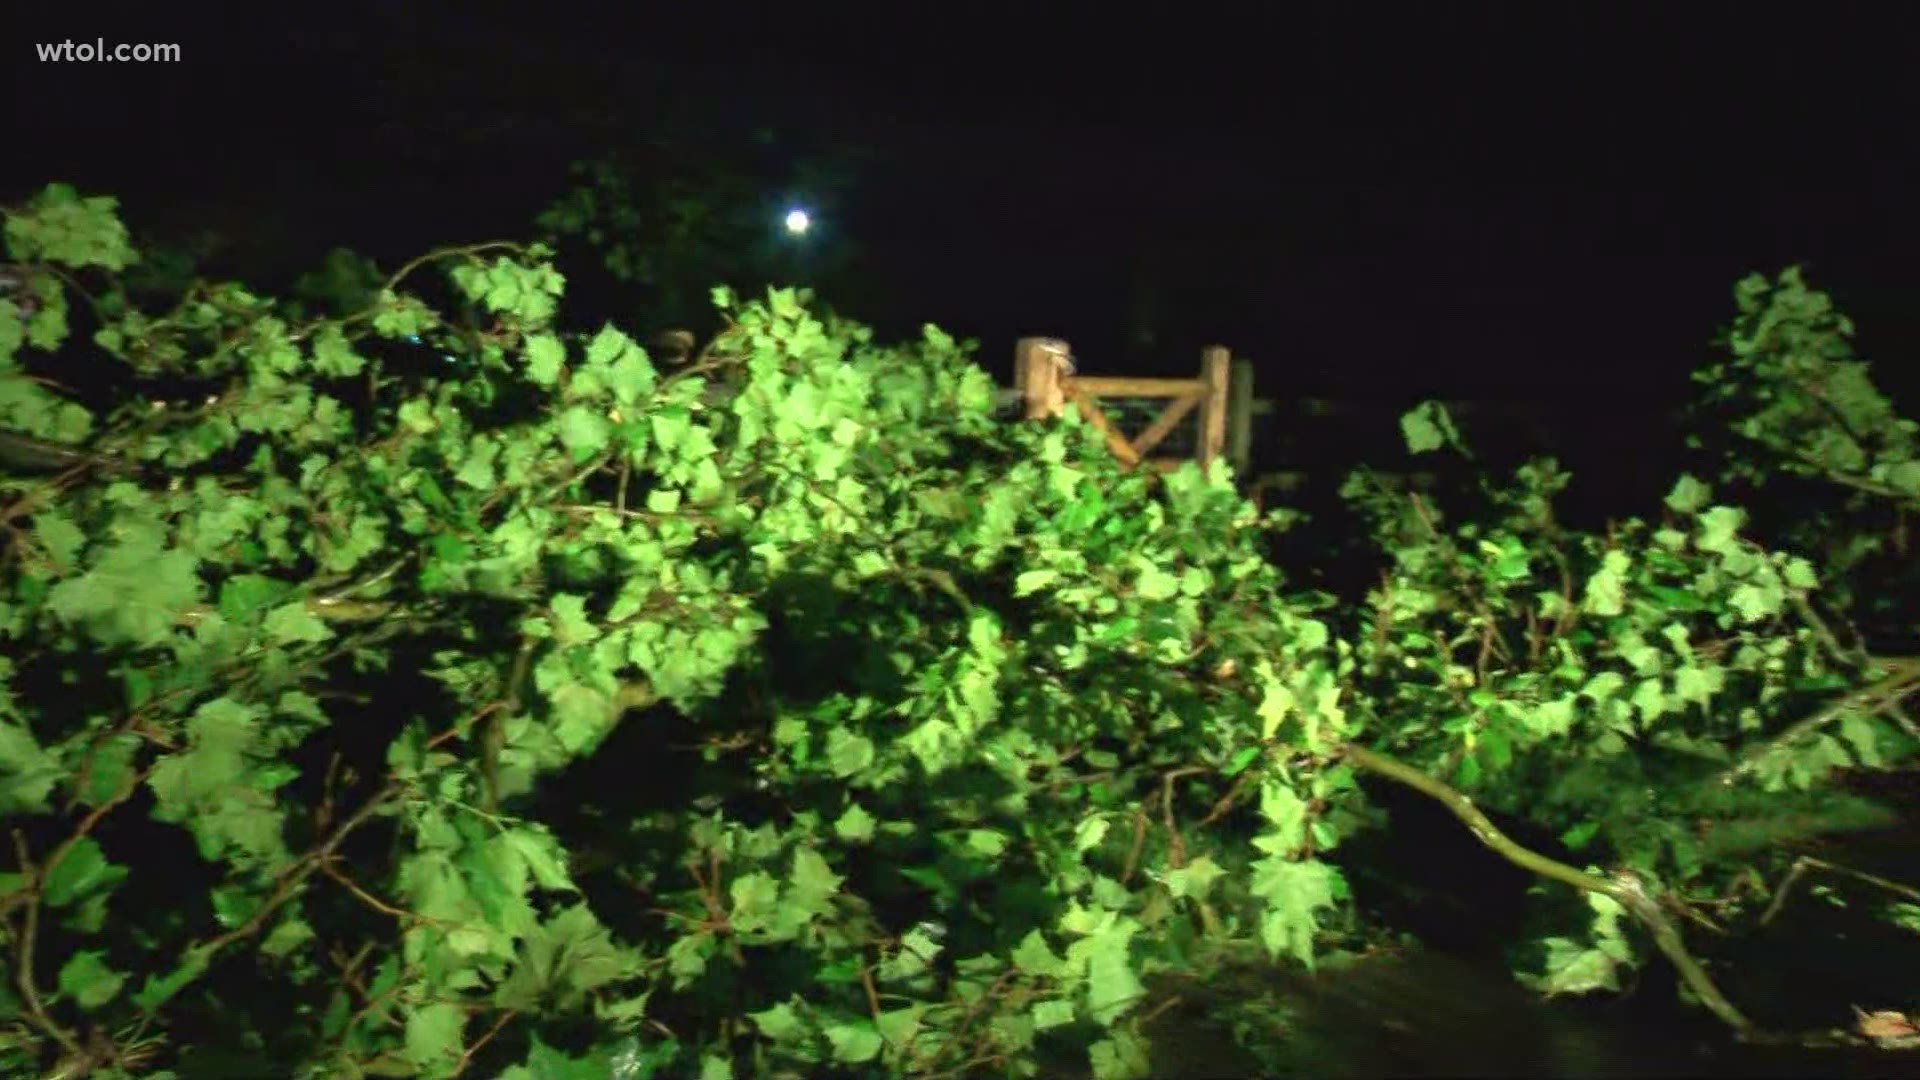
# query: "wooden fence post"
{"type": "Point", "coordinates": [1038, 365]}
{"type": "Point", "coordinates": [1215, 361]}
{"type": "Point", "coordinates": [1240, 416]}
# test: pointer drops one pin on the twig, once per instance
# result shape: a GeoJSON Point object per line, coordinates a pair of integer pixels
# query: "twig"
{"type": "Point", "coordinates": [294, 876]}
{"type": "Point", "coordinates": [966, 1021]}
{"type": "Point", "coordinates": [1139, 844]}
{"type": "Point", "coordinates": [1154, 1013]}
{"type": "Point", "coordinates": [941, 581]}
{"type": "Point", "coordinates": [371, 900]}
{"type": "Point", "coordinates": [1825, 632]}
{"type": "Point", "coordinates": [466, 1056]}
{"type": "Point", "coordinates": [1176, 846]}
{"type": "Point", "coordinates": [87, 825]}
{"type": "Point", "coordinates": [462, 251]}
{"type": "Point", "coordinates": [36, 1011]}
{"type": "Point", "coordinates": [1226, 802]}
{"type": "Point", "coordinates": [1807, 862]}
{"type": "Point", "coordinates": [873, 993]}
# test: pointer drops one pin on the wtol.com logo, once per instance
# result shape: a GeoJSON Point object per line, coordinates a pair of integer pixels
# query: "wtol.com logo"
{"type": "Point", "coordinates": [98, 51]}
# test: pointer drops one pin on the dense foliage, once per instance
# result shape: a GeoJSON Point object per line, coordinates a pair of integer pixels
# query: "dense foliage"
{"type": "Point", "coordinates": [550, 714]}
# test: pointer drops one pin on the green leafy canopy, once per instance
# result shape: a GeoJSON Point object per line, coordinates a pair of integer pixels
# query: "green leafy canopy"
{"type": "Point", "coordinates": [547, 714]}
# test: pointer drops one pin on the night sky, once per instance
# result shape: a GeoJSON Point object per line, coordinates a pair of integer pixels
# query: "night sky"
{"type": "Point", "coordinates": [1528, 202]}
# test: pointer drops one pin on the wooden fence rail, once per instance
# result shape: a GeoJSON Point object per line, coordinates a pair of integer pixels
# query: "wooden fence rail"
{"type": "Point", "coordinates": [1046, 382]}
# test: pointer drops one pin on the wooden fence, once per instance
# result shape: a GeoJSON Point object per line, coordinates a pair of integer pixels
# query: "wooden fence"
{"type": "Point", "coordinates": [1045, 383]}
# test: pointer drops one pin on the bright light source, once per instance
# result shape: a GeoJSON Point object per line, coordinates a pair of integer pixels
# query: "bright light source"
{"type": "Point", "coordinates": [798, 222]}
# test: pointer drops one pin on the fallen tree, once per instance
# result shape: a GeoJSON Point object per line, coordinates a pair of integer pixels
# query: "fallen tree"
{"type": "Point", "coordinates": [542, 711]}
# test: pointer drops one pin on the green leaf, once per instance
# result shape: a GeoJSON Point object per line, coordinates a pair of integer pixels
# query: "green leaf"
{"type": "Point", "coordinates": [134, 593]}
{"type": "Point", "coordinates": [232, 905]}
{"type": "Point", "coordinates": [84, 872]}
{"type": "Point", "coordinates": [545, 357]}
{"type": "Point", "coordinates": [1155, 583]}
{"type": "Point", "coordinates": [1860, 733]}
{"type": "Point", "coordinates": [560, 961]}
{"type": "Point", "coordinates": [60, 536]}
{"type": "Point", "coordinates": [1035, 958]}
{"type": "Point", "coordinates": [1242, 758]}
{"type": "Point", "coordinates": [850, 754]}
{"type": "Point", "coordinates": [1719, 528]}
{"type": "Point", "coordinates": [546, 1063]}
{"type": "Point", "coordinates": [854, 825]}
{"type": "Point", "coordinates": [1758, 601]}
{"type": "Point", "coordinates": [1688, 495]}
{"type": "Point", "coordinates": [854, 1041]}
{"type": "Point", "coordinates": [1032, 581]}
{"type": "Point", "coordinates": [1575, 968]}
{"type": "Point", "coordinates": [1193, 880]}
{"type": "Point", "coordinates": [434, 1035]}
{"type": "Point", "coordinates": [290, 934]}
{"type": "Point", "coordinates": [1122, 1055]}
{"type": "Point", "coordinates": [781, 1023]}
{"type": "Point", "coordinates": [333, 355]}
{"type": "Point", "coordinates": [582, 715]}
{"type": "Point", "coordinates": [811, 884]}
{"type": "Point", "coordinates": [571, 622]}
{"type": "Point", "coordinates": [899, 1027]}
{"type": "Point", "coordinates": [157, 990]}
{"type": "Point", "coordinates": [1799, 574]}
{"type": "Point", "coordinates": [109, 771]}
{"type": "Point", "coordinates": [1580, 835]}
{"type": "Point", "coordinates": [608, 346]}
{"type": "Point", "coordinates": [1112, 986]}
{"type": "Point", "coordinates": [28, 772]}
{"type": "Point", "coordinates": [1089, 833]}
{"type": "Point", "coordinates": [1427, 427]}
{"type": "Point", "coordinates": [1295, 893]}
{"type": "Point", "coordinates": [544, 856]}
{"type": "Point", "coordinates": [584, 432]}
{"type": "Point", "coordinates": [1286, 811]}
{"type": "Point", "coordinates": [1698, 685]}
{"type": "Point", "coordinates": [919, 948]}
{"type": "Point", "coordinates": [87, 979]}
{"type": "Point", "coordinates": [294, 623]}
{"type": "Point", "coordinates": [244, 596]}
{"type": "Point", "coordinates": [1606, 589]}
{"type": "Point", "coordinates": [670, 427]}
{"type": "Point", "coordinates": [756, 899]}
{"type": "Point", "coordinates": [986, 842]}
{"type": "Point", "coordinates": [60, 226]}
{"type": "Point", "coordinates": [1052, 1014]}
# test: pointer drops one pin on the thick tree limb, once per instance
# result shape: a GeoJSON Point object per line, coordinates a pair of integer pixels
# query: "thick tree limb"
{"type": "Point", "coordinates": [1624, 890]}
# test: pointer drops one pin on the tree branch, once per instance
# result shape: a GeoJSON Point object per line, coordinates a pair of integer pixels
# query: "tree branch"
{"type": "Point", "coordinates": [1902, 678]}
{"type": "Point", "coordinates": [1628, 893]}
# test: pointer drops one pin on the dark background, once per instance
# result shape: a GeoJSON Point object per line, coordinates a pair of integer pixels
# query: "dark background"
{"type": "Point", "coordinates": [1538, 203]}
